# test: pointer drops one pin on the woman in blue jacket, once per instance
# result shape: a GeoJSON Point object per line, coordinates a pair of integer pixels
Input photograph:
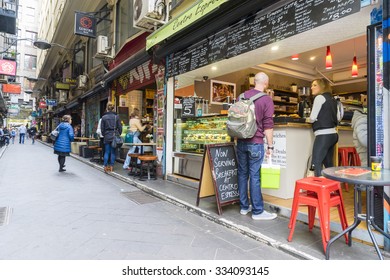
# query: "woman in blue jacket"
{"type": "Point", "coordinates": [64, 138]}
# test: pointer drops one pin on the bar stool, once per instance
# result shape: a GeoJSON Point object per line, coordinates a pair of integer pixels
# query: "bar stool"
{"type": "Point", "coordinates": [348, 156]}
{"type": "Point", "coordinates": [148, 162]}
{"type": "Point", "coordinates": [96, 151]}
{"type": "Point", "coordinates": [135, 168]}
{"type": "Point", "coordinates": [321, 193]}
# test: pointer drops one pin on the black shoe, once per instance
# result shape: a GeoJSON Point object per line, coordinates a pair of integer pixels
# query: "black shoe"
{"type": "Point", "coordinates": [61, 170]}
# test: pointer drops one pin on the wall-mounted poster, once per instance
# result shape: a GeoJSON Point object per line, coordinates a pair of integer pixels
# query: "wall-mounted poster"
{"type": "Point", "coordinates": [222, 92]}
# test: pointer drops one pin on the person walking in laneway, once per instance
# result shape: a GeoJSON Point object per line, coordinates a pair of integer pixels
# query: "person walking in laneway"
{"type": "Point", "coordinates": [109, 124]}
{"type": "Point", "coordinates": [62, 144]}
{"type": "Point", "coordinates": [22, 133]}
{"type": "Point", "coordinates": [13, 135]}
{"type": "Point", "coordinates": [32, 131]}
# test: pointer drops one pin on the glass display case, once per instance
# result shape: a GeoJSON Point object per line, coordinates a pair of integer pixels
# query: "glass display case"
{"type": "Point", "coordinates": [192, 134]}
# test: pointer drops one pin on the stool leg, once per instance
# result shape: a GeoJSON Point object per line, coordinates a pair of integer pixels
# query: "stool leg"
{"type": "Point", "coordinates": [294, 212]}
{"type": "Point", "coordinates": [311, 215]}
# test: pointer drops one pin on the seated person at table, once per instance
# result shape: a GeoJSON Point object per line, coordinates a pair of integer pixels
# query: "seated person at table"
{"type": "Point", "coordinates": [135, 128]}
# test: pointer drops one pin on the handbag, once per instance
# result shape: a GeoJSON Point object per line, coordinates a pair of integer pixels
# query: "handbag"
{"type": "Point", "coordinates": [54, 134]}
{"type": "Point", "coordinates": [270, 175]}
{"type": "Point", "coordinates": [117, 142]}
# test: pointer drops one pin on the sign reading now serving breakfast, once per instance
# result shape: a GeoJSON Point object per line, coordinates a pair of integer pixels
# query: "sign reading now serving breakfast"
{"type": "Point", "coordinates": [219, 175]}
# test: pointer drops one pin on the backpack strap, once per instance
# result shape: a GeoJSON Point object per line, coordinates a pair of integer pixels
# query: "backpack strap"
{"type": "Point", "coordinates": [257, 96]}
{"type": "Point", "coordinates": [253, 98]}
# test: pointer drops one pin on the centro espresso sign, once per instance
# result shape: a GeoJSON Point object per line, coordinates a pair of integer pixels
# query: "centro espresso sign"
{"type": "Point", "coordinates": [85, 25]}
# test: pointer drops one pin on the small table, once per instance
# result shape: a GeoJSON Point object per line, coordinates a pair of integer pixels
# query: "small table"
{"type": "Point", "coordinates": [364, 182]}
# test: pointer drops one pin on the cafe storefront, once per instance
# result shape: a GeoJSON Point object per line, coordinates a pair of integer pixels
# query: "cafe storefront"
{"type": "Point", "coordinates": [230, 55]}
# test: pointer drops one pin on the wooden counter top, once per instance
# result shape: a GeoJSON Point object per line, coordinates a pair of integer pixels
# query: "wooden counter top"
{"type": "Point", "coordinates": [307, 125]}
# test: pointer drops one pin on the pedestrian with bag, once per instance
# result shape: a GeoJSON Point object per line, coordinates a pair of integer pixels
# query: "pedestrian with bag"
{"type": "Point", "coordinates": [33, 131]}
{"type": "Point", "coordinates": [324, 118]}
{"type": "Point", "coordinates": [110, 126]}
{"type": "Point", "coordinates": [65, 136]}
{"type": "Point", "coordinates": [135, 129]}
{"type": "Point", "coordinates": [250, 152]}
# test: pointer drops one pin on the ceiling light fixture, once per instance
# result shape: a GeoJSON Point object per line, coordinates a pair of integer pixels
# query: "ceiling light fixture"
{"type": "Point", "coordinates": [328, 62]}
{"type": "Point", "coordinates": [295, 57]}
{"type": "Point", "coordinates": [355, 71]}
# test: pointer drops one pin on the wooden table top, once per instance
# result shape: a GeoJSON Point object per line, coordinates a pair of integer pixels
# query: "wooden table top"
{"type": "Point", "coordinates": [139, 144]}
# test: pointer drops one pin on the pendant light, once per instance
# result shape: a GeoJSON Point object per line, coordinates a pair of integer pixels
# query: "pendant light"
{"type": "Point", "coordinates": [295, 57]}
{"type": "Point", "coordinates": [355, 71]}
{"type": "Point", "coordinates": [328, 62]}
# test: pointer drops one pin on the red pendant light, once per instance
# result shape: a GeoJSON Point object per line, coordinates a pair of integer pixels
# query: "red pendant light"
{"type": "Point", "coordinates": [355, 71]}
{"type": "Point", "coordinates": [295, 57]}
{"type": "Point", "coordinates": [328, 62]}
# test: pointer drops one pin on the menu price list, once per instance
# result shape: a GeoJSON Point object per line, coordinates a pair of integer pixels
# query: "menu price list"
{"type": "Point", "coordinates": [260, 30]}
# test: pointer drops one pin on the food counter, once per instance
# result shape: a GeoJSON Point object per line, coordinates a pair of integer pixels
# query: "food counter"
{"type": "Point", "coordinates": [190, 137]}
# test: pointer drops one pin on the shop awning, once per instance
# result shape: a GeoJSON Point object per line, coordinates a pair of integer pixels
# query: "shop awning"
{"type": "Point", "coordinates": [187, 18]}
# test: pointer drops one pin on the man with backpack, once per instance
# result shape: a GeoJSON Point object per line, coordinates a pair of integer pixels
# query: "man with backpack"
{"type": "Point", "coordinates": [250, 151]}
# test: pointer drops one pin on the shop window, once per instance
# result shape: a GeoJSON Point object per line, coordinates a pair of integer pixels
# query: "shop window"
{"type": "Point", "coordinates": [30, 35]}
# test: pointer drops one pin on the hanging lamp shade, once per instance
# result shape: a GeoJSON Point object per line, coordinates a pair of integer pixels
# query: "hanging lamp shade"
{"type": "Point", "coordinates": [355, 71]}
{"type": "Point", "coordinates": [295, 57]}
{"type": "Point", "coordinates": [328, 62]}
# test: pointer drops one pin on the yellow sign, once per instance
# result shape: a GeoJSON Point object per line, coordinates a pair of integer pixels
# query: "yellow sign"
{"type": "Point", "coordinates": [194, 13]}
{"type": "Point", "coordinates": [62, 86]}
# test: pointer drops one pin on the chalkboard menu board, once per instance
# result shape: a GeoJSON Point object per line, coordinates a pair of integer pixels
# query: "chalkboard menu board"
{"type": "Point", "coordinates": [219, 174]}
{"type": "Point", "coordinates": [260, 30]}
{"type": "Point", "coordinates": [188, 107]}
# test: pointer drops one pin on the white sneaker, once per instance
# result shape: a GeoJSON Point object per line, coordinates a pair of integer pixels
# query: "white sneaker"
{"type": "Point", "coordinates": [265, 216]}
{"type": "Point", "coordinates": [244, 212]}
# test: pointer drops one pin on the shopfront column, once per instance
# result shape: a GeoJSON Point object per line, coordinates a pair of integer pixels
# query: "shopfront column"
{"type": "Point", "coordinates": [169, 126]}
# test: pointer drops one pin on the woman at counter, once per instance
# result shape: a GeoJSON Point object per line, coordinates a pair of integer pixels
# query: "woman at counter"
{"type": "Point", "coordinates": [324, 118]}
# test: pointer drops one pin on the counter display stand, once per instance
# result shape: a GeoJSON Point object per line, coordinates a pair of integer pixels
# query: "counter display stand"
{"type": "Point", "coordinates": [191, 136]}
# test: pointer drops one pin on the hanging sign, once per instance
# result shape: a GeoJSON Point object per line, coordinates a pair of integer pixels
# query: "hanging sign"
{"type": "Point", "coordinates": [7, 67]}
{"type": "Point", "coordinates": [51, 102]}
{"type": "Point", "coordinates": [85, 25]}
{"type": "Point", "coordinates": [219, 175]}
{"type": "Point", "coordinates": [12, 88]}
{"type": "Point", "coordinates": [42, 104]}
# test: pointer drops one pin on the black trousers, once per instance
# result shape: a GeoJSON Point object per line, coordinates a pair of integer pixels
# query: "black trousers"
{"type": "Point", "coordinates": [323, 151]}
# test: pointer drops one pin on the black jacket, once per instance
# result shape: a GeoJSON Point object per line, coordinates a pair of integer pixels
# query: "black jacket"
{"type": "Point", "coordinates": [327, 117]}
{"type": "Point", "coordinates": [110, 120]}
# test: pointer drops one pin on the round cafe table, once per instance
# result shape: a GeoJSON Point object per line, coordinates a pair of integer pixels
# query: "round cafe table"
{"type": "Point", "coordinates": [364, 180]}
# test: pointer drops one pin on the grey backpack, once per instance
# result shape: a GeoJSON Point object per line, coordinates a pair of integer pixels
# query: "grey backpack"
{"type": "Point", "coordinates": [242, 118]}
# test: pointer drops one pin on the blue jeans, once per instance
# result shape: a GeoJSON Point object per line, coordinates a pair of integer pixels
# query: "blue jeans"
{"type": "Point", "coordinates": [21, 138]}
{"type": "Point", "coordinates": [132, 149]}
{"type": "Point", "coordinates": [250, 157]}
{"type": "Point", "coordinates": [109, 152]}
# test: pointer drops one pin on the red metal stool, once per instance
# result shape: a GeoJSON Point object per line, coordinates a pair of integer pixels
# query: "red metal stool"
{"type": "Point", "coordinates": [321, 193]}
{"type": "Point", "coordinates": [348, 156]}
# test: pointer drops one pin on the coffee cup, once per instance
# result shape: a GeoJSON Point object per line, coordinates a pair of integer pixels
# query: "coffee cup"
{"type": "Point", "coordinates": [376, 163]}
